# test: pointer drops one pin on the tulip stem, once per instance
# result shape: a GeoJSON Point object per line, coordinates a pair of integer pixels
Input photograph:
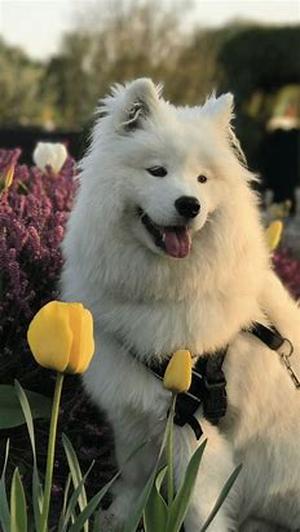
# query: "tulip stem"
{"type": "Point", "coordinates": [170, 443]}
{"type": "Point", "coordinates": [51, 451]}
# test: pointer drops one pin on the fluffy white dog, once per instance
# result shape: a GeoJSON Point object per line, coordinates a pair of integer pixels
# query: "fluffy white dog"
{"type": "Point", "coordinates": [166, 247]}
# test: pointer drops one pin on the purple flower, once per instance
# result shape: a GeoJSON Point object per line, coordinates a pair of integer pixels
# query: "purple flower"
{"type": "Point", "coordinates": [33, 213]}
{"type": "Point", "coordinates": [288, 269]}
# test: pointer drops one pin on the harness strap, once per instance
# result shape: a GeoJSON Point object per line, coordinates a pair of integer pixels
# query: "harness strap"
{"type": "Point", "coordinates": [208, 387]}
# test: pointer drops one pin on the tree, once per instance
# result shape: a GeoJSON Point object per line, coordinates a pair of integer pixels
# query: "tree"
{"type": "Point", "coordinates": [130, 40]}
{"type": "Point", "coordinates": [261, 58]}
{"type": "Point", "coordinates": [19, 87]}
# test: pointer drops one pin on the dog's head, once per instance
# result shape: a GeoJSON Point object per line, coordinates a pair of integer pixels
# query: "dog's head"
{"type": "Point", "coordinates": [162, 171]}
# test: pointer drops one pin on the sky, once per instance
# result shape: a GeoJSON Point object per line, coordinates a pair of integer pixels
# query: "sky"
{"type": "Point", "coordinates": [38, 25]}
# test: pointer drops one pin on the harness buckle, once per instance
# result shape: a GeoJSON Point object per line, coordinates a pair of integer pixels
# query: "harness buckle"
{"type": "Point", "coordinates": [215, 400]}
{"type": "Point", "coordinates": [214, 385]}
{"type": "Point", "coordinates": [285, 355]}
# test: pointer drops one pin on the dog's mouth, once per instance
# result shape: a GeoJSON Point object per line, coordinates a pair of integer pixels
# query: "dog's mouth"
{"type": "Point", "coordinates": [175, 241]}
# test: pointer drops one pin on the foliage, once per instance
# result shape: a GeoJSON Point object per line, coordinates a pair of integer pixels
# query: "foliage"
{"type": "Point", "coordinates": [33, 213]}
{"type": "Point", "coordinates": [77, 512]}
{"type": "Point", "coordinates": [126, 41]}
{"type": "Point", "coordinates": [261, 58]}
{"type": "Point", "coordinates": [18, 515]}
{"type": "Point", "coordinates": [32, 219]}
{"type": "Point", "coordinates": [20, 80]}
{"type": "Point", "coordinates": [121, 40]}
{"type": "Point", "coordinates": [11, 414]}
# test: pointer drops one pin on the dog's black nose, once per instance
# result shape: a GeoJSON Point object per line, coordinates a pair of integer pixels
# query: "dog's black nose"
{"type": "Point", "coordinates": [187, 206]}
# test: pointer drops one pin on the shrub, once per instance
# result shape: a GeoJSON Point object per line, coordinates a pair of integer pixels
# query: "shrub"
{"type": "Point", "coordinates": [33, 213]}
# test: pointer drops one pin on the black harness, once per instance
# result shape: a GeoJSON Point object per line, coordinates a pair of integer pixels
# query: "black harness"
{"type": "Point", "coordinates": [208, 387]}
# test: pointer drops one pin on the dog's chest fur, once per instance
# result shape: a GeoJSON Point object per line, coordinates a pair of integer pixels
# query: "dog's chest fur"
{"type": "Point", "coordinates": [200, 324]}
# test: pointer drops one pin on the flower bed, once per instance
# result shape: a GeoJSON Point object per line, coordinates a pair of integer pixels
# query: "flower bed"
{"type": "Point", "coordinates": [33, 213]}
{"type": "Point", "coordinates": [288, 269]}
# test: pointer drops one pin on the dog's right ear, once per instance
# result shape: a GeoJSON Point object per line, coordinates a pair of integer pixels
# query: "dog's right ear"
{"type": "Point", "coordinates": [131, 104]}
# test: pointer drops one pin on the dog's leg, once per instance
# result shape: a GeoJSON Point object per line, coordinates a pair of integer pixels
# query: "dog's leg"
{"type": "Point", "coordinates": [134, 472]}
{"type": "Point", "coordinates": [256, 525]}
{"type": "Point", "coordinates": [215, 468]}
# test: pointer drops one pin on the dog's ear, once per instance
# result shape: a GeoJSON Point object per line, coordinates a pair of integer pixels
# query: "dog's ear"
{"type": "Point", "coordinates": [130, 105]}
{"type": "Point", "coordinates": [219, 109]}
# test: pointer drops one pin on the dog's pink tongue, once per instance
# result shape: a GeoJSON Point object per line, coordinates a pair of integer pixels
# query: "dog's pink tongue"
{"type": "Point", "coordinates": [178, 242]}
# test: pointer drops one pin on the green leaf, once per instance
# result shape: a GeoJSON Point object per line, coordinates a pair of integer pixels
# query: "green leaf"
{"type": "Point", "coordinates": [18, 504]}
{"type": "Point", "coordinates": [11, 414]}
{"type": "Point", "coordinates": [181, 502]}
{"type": "Point", "coordinates": [4, 507]}
{"type": "Point", "coordinates": [75, 474]}
{"type": "Point", "coordinates": [37, 492]}
{"type": "Point", "coordinates": [91, 507]}
{"type": "Point", "coordinates": [65, 501]}
{"type": "Point", "coordinates": [70, 509]}
{"type": "Point", "coordinates": [226, 489]}
{"type": "Point", "coordinates": [21, 395]}
{"type": "Point", "coordinates": [37, 497]}
{"type": "Point", "coordinates": [156, 510]}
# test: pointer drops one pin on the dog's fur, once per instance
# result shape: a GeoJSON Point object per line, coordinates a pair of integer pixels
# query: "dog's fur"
{"type": "Point", "coordinates": [144, 300]}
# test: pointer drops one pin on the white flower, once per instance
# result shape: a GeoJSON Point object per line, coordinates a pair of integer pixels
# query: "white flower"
{"type": "Point", "coordinates": [50, 154]}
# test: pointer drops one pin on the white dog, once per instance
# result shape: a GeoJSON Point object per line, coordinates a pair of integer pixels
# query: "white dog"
{"type": "Point", "coordinates": [166, 247]}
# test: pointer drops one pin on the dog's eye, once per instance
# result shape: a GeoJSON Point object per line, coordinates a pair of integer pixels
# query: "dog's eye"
{"type": "Point", "coordinates": [157, 171]}
{"type": "Point", "coordinates": [202, 178]}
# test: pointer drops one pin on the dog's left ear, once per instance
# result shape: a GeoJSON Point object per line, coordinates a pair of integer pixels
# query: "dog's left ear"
{"type": "Point", "coordinates": [220, 109]}
{"type": "Point", "coordinates": [131, 104]}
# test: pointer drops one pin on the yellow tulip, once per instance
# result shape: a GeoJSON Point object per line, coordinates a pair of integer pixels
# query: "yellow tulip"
{"type": "Point", "coordinates": [60, 337]}
{"type": "Point", "coordinates": [178, 375]}
{"type": "Point", "coordinates": [273, 234]}
{"type": "Point", "coordinates": [9, 176]}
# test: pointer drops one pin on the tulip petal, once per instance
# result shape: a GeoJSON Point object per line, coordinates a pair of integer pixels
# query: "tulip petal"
{"type": "Point", "coordinates": [59, 155]}
{"type": "Point", "coordinates": [178, 375]}
{"type": "Point", "coordinates": [83, 346]}
{"type": "Point", "coordinates": [273, 234]}
{"type": "Point", "coordinates": [9, 176]}
{"type": "Point", "coordinates": [41, 155]}
{"type": "Point", "coordinates": [50, 336]}
{"type": "Point", "coordinates": [50, 154]}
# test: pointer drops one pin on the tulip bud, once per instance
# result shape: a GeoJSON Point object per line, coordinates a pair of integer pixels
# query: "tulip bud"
{"type": "Point", "coordinates": [9, 176]}
{"type": "Point", "coordinates": [50, 154]}
{"type": "Point", "coordinates": [273, 234]}
{"type": "Point", "coordinates": [60, 337]}
{"type": "Point", "coordinates": [178, 375]}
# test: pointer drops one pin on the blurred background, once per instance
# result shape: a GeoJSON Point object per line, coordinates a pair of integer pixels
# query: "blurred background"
{"type": "Point", "coordinates": [58, 57]}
